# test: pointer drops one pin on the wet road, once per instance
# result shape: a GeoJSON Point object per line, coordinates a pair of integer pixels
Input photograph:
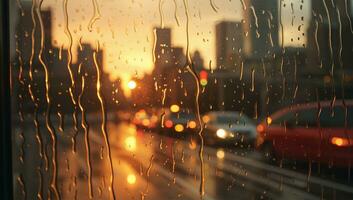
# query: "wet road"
{"type": "Point", "coordinates": [148, 165]}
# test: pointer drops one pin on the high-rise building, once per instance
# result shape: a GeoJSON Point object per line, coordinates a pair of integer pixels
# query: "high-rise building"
{"type": "Point", "coordinates": [25, 27]}
{"type": "Point", "coordinates": [162, 54]}
{"type": "Point", "coordinates": [329, 36]}
{"type": "Point", "coordinates": [85, 56]}
{"type": "Point", "coordinates": [261, 28]}
{"type": "Point", "coordinates": [229, 44]}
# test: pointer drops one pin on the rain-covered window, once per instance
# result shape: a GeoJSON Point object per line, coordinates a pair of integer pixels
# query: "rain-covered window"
{"type": "Point", "coordinates": [181, 99]}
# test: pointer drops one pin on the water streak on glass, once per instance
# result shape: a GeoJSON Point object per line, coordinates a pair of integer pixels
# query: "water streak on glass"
{"type": "Point", "coordinates": [191, 70]}
{"type": "Point", "coordinates": [23, 143]}
{"type": "Point", "coordinates": [316, 31]}
{"type": "Point", "coordinates": [213, 6]}
{"type": "Point", "coordinates": [73, 139]}
{"type": "Point", "coordinates": [329, 36]}
{"type": "Point", "coordinates": [252, 80]}
{"type": "Point", "coordinates": [295, 91]}
{"type": "Point", "coordinates": [164, 95]}
{"type": "Point", "coordinates": [281, 24]}
{"type": "Point", "coordinates": [34, 99]}
{"type": "Point", "coordinates": [80, 44]}
{"type": "Point", "coordinates": [22, 83]}
{"type": "Point", "coordinates": [348, 16]}
{"type": "Point", "coordinates": [256, 111]}
{"type": "Point", "coordinates": [149, 166]}
{"type": "Point", "coordinates": [340, 38]}
{"type": "Point", "coordinates": [19, 5]}
{"type": "Point", "coordinates": [104, 122]}
{"type": "Point", "coordinates": [176, 13]}
{"type": "Point", "coordinates": [308, 177]}
{"type": "Point", "coordinates": [282, 48]}
{"type": "Point", "coordinates": [69, 62]}
{"type": "Point", "coordinates": [263, 68]}
{"type": "Point", "coordinates": [154, 56]}
{"type": "Point", "coordinates": [162, 119]}
{"type": "Point", "coordinates": [243, 4]}
{"type": "Point", "coordinates": [96, 15]}
{"type": "Point", "coordinates": [241, 71]}
{"type": "Point", "coordinates": [161, 144]}
{"type": "Point", "coordinates": [61, 122]}
{"type": "Point", "coordinates": [85, 127]}
{"type": "Point", "coordinates": [48, 122]}
{"type": "Point", "coordinates": [173, 157]}
{"type": "Point", "coordinates": [256, 21]}
{"type": "Point", "coordinates": [22, 185]}
{"type": "Point", "coordinates": [269, 21]}
{"type": "Point", "coordinates": [160, 9]}
{"type": "Point", "coordinates": [20, 73]}
{"type": "Point", "coordinates": [40, 184]}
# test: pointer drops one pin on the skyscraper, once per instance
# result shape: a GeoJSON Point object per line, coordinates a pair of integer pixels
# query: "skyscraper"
{"type": "Point", "coordinates": [229, 44]}
{"type": "Point", "coordinates": [25, 27]}
{"type": "Point", "coordinates": [162, 54]}
{"type": "Point", "coordinates": [329, 36]}
{"type": "Point", "coordinates": [261, 28]}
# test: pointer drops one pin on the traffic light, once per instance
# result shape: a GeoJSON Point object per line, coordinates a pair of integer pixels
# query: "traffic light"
{"type": "Point", "coordinates": [203, 78]}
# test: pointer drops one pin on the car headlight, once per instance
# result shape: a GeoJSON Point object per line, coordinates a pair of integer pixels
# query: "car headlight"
{"type": "Point", "coordinates": [221, 133]}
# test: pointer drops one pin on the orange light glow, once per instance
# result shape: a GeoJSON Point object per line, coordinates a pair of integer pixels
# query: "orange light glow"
{"type": "Point", "coordinates": [192, 124]}
{"type": "Point", "coordinates": [174, 108]}
{"type": "Point", "coordinates": [179, 128]}
{"type": "Point", "coordinates": [130, 143]}
{"type": "Point", "coordinates": [131, 179]}
{"type": "Point", "coordinates": [269, 120]}
{"type": "Point", "coordinates": [220, 154]}
{"type": "Point", "coordinates": [206, 119]}
{"type": "Point", "coordinates": [260, 128]}
{"type": "Point", "coordinates": [168, 124]}
{"type": "Point", "coordinates": [146, 122]}
{"type": "Point", "coordinates": [338, 141]}
{"type": "Point", "coordinates": [192, 145]}
{"type": "Point", "coordinates": [131, 85]}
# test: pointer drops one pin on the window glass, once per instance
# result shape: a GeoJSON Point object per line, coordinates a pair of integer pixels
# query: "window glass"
{"type": "Point", "coordinates": [308, 118]}
{"type": "Point", "coordinates": [182, 99]}
{"type": "Point", "coordinates": [338, 117]}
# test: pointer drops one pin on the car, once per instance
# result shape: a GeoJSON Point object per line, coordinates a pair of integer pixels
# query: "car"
{"type": "Point", "coordinates": [178, 123]}
{"type": "Point", "coordinates": [319, 132]}
{"type": "Point", "coordinates": [228, 127]}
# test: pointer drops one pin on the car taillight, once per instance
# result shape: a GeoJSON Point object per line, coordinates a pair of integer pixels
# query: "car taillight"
{"type": "Point", "coordinates": [168, 124]}
{"type": "Point", "coordinates": [341, 142]}
{"type": "Point", "coordinates": [260, 128]}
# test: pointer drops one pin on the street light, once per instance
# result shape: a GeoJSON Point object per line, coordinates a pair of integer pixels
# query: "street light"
{"type": "Point", "coordinates": [131, 84]}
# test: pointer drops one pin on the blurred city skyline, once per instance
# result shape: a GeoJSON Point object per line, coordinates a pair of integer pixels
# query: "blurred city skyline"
{"type": "Point", "coordinates": [125, 32]}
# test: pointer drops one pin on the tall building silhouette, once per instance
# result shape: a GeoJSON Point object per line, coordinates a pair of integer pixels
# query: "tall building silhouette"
{"type": "Point", "coordinates": [329, 36]}
{"type": "Point", "coordinates": [261, 28]}
{"type": "Point", "coordinates": [162, 49]}
{"type": "Point", "coordinates": [229, 44]}
{"type": "Point", "coordinates": [24, 28]}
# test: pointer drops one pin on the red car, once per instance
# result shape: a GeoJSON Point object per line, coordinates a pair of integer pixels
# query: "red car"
{"type": "Point", "coordinates": [320, 132]}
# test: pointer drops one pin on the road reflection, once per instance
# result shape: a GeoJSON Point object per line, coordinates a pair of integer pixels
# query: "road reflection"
{"type": "Point", "coordinates": [148, 165]}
